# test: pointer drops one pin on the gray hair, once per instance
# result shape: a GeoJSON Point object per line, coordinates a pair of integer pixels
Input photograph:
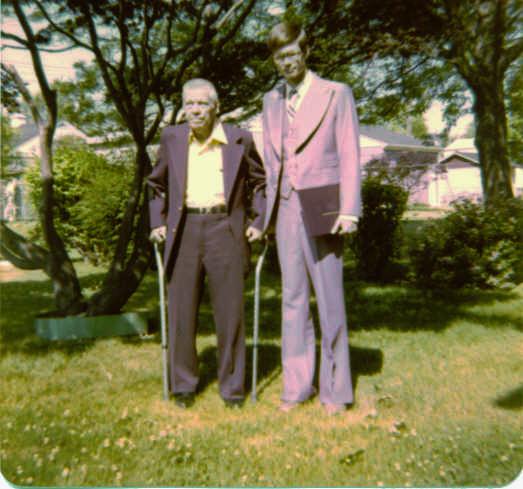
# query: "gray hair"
{"type": "Point", "coordinates": [201, 83]}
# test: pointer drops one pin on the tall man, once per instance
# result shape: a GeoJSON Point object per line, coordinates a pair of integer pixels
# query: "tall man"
{"type": "Point", "coordinates": [310, 130]}
{"type": "Point", "coordinates": [206, 174]}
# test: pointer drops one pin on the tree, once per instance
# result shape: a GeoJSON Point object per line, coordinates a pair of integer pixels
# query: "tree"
{"type": "Point", "coordinates": [144, 52]}
{"type": "Point", "coordinates": [515, 113]}
{"type": "Point", "coordinates": [403, 169]}
{"type": "Point", "coordinates": [476, 40]}
{"type": "Point", "coordinates": [57, 264]}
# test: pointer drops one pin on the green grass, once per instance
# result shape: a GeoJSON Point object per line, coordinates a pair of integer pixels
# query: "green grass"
{"type": "Point", "coordinates": [437, 381]}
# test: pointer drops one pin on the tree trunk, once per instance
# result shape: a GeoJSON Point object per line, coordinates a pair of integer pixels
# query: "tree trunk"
{"type": "Point", "coordinates": [66, 287]}
{"type": "Point", "coordinates": [133, 252]}
{"type": "Point", "coordinates": [491, 141]}
{"type": "Point", "coordinates": [118, 287]}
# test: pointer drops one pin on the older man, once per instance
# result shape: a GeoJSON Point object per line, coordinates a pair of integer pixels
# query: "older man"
{"type": "Point", "coordinates": [311, 150]}
{"type": "Point", "coordinates": [206, 173]}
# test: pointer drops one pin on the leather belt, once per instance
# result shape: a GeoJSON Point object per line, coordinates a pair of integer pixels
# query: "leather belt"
{"type": "Point", "coordinates": [217, 209]}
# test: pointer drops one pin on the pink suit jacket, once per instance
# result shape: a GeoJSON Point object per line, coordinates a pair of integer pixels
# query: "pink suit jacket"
{"type": "Point", "coordinates": [327, 145]}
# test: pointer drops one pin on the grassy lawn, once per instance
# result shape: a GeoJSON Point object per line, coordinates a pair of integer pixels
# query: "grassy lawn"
{"type": "Point", "coordinates": [438, 385]}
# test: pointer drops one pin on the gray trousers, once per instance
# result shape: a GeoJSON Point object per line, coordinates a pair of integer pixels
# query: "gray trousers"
{"type": "Point", "coordinates": [207, 246]}
{"type": "Point", "coordinates": [320, 261]}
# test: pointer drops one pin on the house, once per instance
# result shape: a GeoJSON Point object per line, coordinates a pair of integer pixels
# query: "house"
{"type": "Point", "coordinates": [377, 142]}
{"type": "Point", "coordinates": [14, 201]}
{"type": "Point", "coordinates": [458, 175]}
{"type": "Point", "coordinates": [29, 142]}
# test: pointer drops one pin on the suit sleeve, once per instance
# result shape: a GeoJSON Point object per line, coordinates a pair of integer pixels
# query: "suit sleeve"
{"type": "Point", "coordinates": [347, 138]}
{"type": "Point", "coordinates": [157, 183]}
{"type": "Point", "coordinates": [256, 183]}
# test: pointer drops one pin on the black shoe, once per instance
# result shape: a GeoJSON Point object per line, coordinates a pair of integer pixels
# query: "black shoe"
{"type": "Point", "coordinates": [184, 400]}
{"type": "Point", "coordinates": [234, 403]}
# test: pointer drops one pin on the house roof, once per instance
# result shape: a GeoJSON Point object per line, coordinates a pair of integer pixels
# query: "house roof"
{"type": "Point", "coordinates": [471, 158]}
{"type": "Point", "coordinates": [26, 132]}
{"type": "Point", "coordinates": [27, 143]}
{"type": "Point", "coordinates": [29, 130]}
{"type": "Point", "coordinates": [390, 137]}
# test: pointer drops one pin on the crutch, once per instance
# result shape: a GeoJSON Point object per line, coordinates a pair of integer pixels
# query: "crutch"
{"type": "Point", "coordinates": [256, 325]}
{"type": "Point", "coordinates": [163, 320]}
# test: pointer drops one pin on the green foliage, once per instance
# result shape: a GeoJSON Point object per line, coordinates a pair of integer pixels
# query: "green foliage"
{"type": "Point", "coordinates": [10, 92]}
{"type": "Point", "coordinates": [474, 246]}
{"type": "Point", "coordinates": [405, 169]}
{"type": "Point", "coordinates": [90, 193]}
{"type": "Point", "coordinates": [82, 102]}
{"type": "Point", "coordinates": [378, 239]}
{"type": "Point", "coordinates": [8, 155]}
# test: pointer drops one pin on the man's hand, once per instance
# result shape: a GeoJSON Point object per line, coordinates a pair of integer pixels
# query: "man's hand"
{"type": "Point", "coordinates": [343, 225]}
{"type": "Point", "coordinates": [253, 234]}
{"type": "Point", "coordinates": [158, 234]}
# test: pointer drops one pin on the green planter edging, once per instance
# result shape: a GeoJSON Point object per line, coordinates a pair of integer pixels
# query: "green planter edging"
{"type": "Point", "coordinates": [75, 327]}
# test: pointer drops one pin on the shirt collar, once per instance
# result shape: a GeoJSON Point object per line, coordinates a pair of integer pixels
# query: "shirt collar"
{"type": "Point", "coordinates": [217, 136]}
{"type": "Point", "coordinates": [302, 87]}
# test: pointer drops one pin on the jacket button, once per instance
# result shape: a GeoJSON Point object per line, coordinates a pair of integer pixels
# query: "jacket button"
{"type": "Point", "coordinates": [174, 230]}
{"type": "Point", "coordinates": [180, 208]}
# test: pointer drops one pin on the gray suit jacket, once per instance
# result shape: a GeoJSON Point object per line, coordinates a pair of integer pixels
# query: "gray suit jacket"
{"type": "Point", "coordinates": [243, 178]}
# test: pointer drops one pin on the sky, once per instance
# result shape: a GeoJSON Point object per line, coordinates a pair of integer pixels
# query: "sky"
{"type": "Point", "coordinates": [59, 66]}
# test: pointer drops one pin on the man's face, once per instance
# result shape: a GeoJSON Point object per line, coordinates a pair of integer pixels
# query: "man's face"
{"type": "Point", "coordinates": [200, 111]}
{"type": "Point", "coordinates": [290, 63]}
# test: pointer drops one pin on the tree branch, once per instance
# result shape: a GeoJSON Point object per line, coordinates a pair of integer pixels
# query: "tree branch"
{"type": "Point", "coordinates": [22, 252]}
{"type": "Point", "coordinates": [239, 21]}
{"type": "Point", "coordinates": [59, 29]}
{"type": "Point", "coordinates": [24, 92]}
{"type": "Point", "coordinates": [13, 37]}
{"type": "Point", "coordinates": [48, 94]}
{"type": "Point", "coordinates": [512, 53]}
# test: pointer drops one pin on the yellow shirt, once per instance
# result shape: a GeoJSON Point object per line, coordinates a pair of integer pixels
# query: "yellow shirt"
{"type": "Point", "coordinates": [205, 170]}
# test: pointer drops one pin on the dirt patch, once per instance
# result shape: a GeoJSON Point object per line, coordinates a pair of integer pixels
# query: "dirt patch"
{"type": "Point", "coordinates": [9, 272]}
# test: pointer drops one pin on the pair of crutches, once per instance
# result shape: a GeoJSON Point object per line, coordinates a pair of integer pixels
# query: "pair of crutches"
{"type": "Point", "coordinates": [163, 321]}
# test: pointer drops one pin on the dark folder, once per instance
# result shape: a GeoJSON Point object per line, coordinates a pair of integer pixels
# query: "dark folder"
{"type": "Point", "coordinates": [320, 208]}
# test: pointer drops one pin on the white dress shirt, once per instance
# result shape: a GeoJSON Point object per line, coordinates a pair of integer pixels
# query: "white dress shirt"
{"type": "Point", "coordinates": [301, 88]}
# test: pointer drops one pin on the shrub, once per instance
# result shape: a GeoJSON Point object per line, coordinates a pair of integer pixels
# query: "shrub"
{"type": "Point", "coordinates": [90, 194]}
{"type": "Point", "coordinates": [378, 239]}
{"type": "Point", "coordinates": [473, 246]}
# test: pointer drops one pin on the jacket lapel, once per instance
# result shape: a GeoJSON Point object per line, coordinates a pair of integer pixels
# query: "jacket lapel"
{"type": "Point", "coordinates": [180, 149]}
{"type": "Point", "coordinates": [232, 154]}
{"type": "Point", "coordinates": [312, 110]}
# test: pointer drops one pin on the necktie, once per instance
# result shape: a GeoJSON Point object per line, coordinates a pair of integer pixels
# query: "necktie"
{"type": "Point", "coordinates": [291, 103]}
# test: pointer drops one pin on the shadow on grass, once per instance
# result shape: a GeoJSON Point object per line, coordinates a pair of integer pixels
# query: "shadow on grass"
{"type": "Point", "coordinates": [21, 303]}
{"type": "Point", "coordinates": [269, 366]}
{"type": "Point", "coordinates": [404, 308]}
{"type": "Point", "coordinates": [364, 361]}
{"type": "Point", "coordinates": [512, 400]}
{"type": "Point", "coordinates": [393, 307]}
